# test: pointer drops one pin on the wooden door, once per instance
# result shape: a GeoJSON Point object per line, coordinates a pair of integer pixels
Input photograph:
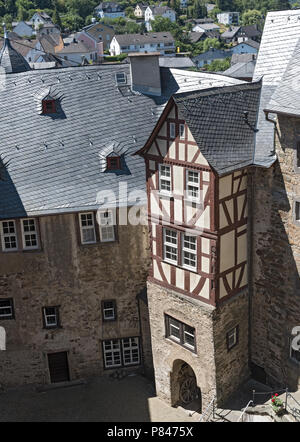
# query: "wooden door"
{"type": "Point", "coordinates": [58, 367]}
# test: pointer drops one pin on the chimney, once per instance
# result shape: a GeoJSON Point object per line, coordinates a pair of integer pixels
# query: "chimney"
{"type": "Point", "coordinates": [145, 73]}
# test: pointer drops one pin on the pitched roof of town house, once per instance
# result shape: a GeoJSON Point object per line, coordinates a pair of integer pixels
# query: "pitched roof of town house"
{"type": "Point", "coordinates": [152, 37]}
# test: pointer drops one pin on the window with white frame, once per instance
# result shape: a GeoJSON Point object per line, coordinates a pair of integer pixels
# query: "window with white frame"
{"type": "Point", "coordinates": [107, 229]}
{"type": "Point", "coordinates": [172, 130]}
{"type": "Point", "coordinates": [193, 185]}
{"type": "Point", "coordinates": [294, 354]}
{"type": "Point", "coordinates": [165, 178]}
{"type": "Point", "coordinates": [170, 242]}
{"type": "Point", "coordinates": [121, 78]}
{"type": "Point", "coordinates": [109, 310]}
{"type": "Point", "coordinates": [131, 351]}
{"type": "Point", "coordinates": [181, 131]}
{"type": "Point", "coordinates": [6, 309]}
{"type": "Point", "coordinates": [50, 317]}
{"type": "Point", "coordinates": [29, 233]}
{"type": "Point", "coordinates": [189, 251]}
{"type": "Point", "coordinates": [112, 353]}
{"type": "Point", "coordinates": [9, 236]}
{"type": "Point", "coordinates": [232, 337]}
{"type": "Point", "coordinates": [87, 228]}
{"type": "Point", "coordinates": [181, 333]}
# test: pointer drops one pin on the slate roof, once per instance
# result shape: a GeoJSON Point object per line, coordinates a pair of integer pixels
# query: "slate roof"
{"type": "Point", "coordinates": [11, 60]}
{"type": "Point", "coordinates": [55, 160]}
{"type": "Point", "coordinates": [242, 58]}
{"type": "Point", "coordinates": [75, 47]}
{"type": "Point", "coordinates": [230, 33]}
{"type": "Point", "coordinates": [286, 97]}
{"type": "Point", "coordinates": [176, 62]}
{"type": "Point", "coordinates": [208, 26]}
{"type": "Point", "coordinates": [251, 43]}
{"type": "Point", "coordinates": [241, 70]}
{"type": "Point", "coordinates": [279, 40]}
{"type": "Point", "coordinates": [213, 54]}
{"type": "Point", "coordinates": [216, 119]}
{"type": "Point", "coordinates": [152, 37]}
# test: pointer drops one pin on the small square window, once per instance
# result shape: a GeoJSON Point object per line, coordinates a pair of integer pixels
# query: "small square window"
{"type": "Point", "coordinates": [113, 163]}
{"type": "Point", "coordinates": [50, 317]}
{"type": "Point", "coordinates": [121, 78]}
{"type": "Point", "coordinates": [49, 107]}
{"type": "Point", "coordinates": [109, 311]}
{"type": "Point", "coordinates": [6, 308]}
{"type": "Point", "coordinates": [232, 338]}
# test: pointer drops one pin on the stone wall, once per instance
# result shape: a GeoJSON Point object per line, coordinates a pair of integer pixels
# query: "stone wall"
{"type": "Point", "coordinates": [232, 366]}
{"type": "Point", "coordinates": [76, 278]}
{"type": "Point", "coordinates": [167, 353]}
{"type": "Point", "coordinates": [276, 261]}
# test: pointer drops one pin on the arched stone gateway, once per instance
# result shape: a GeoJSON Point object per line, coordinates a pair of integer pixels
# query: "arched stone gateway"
{"type": "Point", "coordinates": [184, 388]}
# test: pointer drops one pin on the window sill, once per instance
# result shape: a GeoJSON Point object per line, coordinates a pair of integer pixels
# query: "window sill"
{"type": "Point", "coordinates": [165, 195]}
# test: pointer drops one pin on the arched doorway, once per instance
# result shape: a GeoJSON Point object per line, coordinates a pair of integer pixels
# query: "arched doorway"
{"type": "Point", "coordinates": [184, 389]}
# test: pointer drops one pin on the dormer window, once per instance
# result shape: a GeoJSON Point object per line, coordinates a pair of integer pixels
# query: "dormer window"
{"type": "Point", "coordinates": [113, 163]}
{"type": "Point", "coordinates": [49, 106]}
{"type": "Point", "coordinates": [121, 78]}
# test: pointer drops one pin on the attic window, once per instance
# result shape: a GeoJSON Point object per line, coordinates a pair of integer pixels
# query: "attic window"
{"type": "Point", "coordinates": [113, 163]}
{"type": "Point", "coordinates": [49, 106]}
{"type": "Point", "coordinates": [121, 78]}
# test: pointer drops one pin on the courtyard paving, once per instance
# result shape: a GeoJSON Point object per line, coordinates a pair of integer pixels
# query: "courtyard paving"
{"type": "Point", "coordinates": [131, 399]}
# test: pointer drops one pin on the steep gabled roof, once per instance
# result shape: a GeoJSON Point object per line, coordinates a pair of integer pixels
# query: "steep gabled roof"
{"type": "Point", "coordinates": [216, 119]}
{"type": "Point", "coordinates": [11, 60]}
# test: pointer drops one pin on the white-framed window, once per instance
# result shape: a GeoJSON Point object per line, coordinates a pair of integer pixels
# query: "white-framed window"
{"type": "Point", "coordinates": [181, 333]}
{"type": "Point", "coordinates": [121, 78]}
{"type": "Point", "coordinates": [29, 234]}
{"type": "Point", "coordinates": [193, 185]}
{"type": "Point", "coordinates": [9, 236]}
{"type": "Point", "coordinates": [106, 226]}
{"type": "Point", "coordinates": [112, 353]}
{"type": "Point", "coordinates": [50, 317]}
{"type": "Point", "coordinates": [131, 351]}
{"type": "Point", "coordinates": [170, 246]}
{"type": "Point", "coordinates": [181, 131]}
{"type": "Point", "coordinates": [188, 336]}
{"type": "Point", "coordinates": [232, 337]}
{"type": "Point", "coordinates": [189, 251]}
{"type": "Point", "coordinates": [174, 329]}
{"type": "Point", "coordinates": [109, 310]}
{"type": "Point", "coordinates": [165, 178]}
{"type": "Point", "coordinates": [87, 228]}
{"type": "Point", "coordinates": [172, 130]}
{"type": "Point", "coordinates": [6, 309]}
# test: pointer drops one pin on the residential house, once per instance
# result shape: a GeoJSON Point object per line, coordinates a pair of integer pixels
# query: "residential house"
{"type": "Point", "coordinates": [162, 42]}
{"type": "Point", "coordinates": [140, 9]}
{"type": "Point", "coordinates": [209, 56]}
{"type": "Point", "coordinates": [204, 27]}
{"type": "Point", "coordinates": [241, 33]}
{"type": "Point", "coordinates": [183, 4]}
{"type": "Point", "coordinates": [200, 36]}
{"type": "Point", "coordinates": [243, 70]}
{"type": "Point", "coordinates": [23, 29]}
{"type": "Point", "coordinates": [246, 47]}
{"type": "Point", "coordinates": [228, 18]}
{"type": "Point", "coordinates": [77, 52]}
{"type": "Point", "coordinates": [210, 6]}
{"type": "Point", "coordinates": [98, 36]}
{"type": "Point", "coordinates": [49, 29]}
{"type": "Point", "coordinates": [40, 18]}
{"type": "Point", "coordinates": [176, 62]}
{"type": "Point", "coordinates": [158, 11]}
{"type": "Point", "coordinates": [73, 277]}
{"type": "Point", "coordinates": [109, 10]}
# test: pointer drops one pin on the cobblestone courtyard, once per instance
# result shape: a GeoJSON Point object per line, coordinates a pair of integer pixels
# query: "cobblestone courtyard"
{"type": "Point", "coordinates": [131, 399]}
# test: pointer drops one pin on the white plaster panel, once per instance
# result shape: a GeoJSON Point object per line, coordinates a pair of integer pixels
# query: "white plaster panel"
{"type": "Point", "coordinates": [226, 251]}
{"type": "Point", "coordinates": [225, 186]}
{"type": "Point", "coordinates": [242, 248]}
{"type": "Point", "coordinates": [167, 271]}
{"type": "Point", "coordinates": [180, 278]}
{"type": "Point", "coordinates": [205, 245]}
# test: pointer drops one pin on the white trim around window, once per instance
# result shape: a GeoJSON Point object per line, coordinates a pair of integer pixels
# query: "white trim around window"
{"type": "Point", "coordinates": [170, 246]}
{"type": "Point", "coordinates": [29, 234]}
{"type": "Point", "coordinates": [189, 251]}
{"type": "Point", "coordinates": [87, 228]}
{"type": "Point", "coordinates": [112, 353]}
{"type": "Point", "coordinates": [193, 185]}
{"type": "Point", "coordinates": [131, 351]}
{"type": "Point", "coordinates": [106, 226]}
{"type": "Point", "coordinates": [165, 179]}
{"type": "Point", "coordinates": [9, 236]}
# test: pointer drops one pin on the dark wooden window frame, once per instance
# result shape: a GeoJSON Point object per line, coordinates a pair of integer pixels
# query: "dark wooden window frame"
{"type": "Point", "coordinates": [237, 338]}
{"type": "Point", "coordinates": [49, 106]}
{"type": "Point", "coordinates": [181, 332]}
{"type": "Point", "coordinates": [114, 307]}
{"type": "Point", "coordinates": [113, 163]}
{"type": "Point", "coordinates": [11, 301]}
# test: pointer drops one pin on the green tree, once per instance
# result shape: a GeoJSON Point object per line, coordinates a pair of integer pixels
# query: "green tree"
{"type": "Point", "coordinates": [218, 65]}
{"type": "Point", "coordinates": [251, 17]}
{"type": "Point", "coordinates": [81, 7]}
{"type": "Point", "coordinates": [56, 18]}
{"type": "Point", "coordinates": [211, 43]}
{"type": "Point", "coordinates": [199, 9]}
{"type": "Point", "coordinates": [73, 22]}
